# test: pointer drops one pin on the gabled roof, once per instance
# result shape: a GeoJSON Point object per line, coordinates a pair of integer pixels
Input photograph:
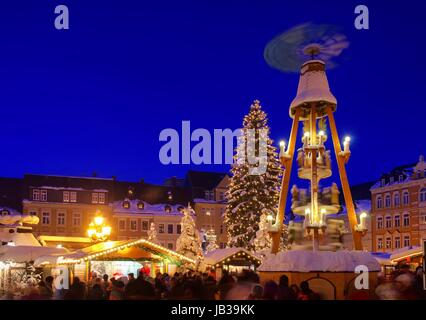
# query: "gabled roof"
{"type": "Point", "coordinates": [86, 183]}
{"type": "Point", "coordinates": [217, 256]}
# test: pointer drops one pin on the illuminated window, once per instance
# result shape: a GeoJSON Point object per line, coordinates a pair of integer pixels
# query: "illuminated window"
{"type": "Point", "coordinates": [141, 205]}
{"type": "Point", "coordinates": [66, 196]}
{"type": "Point", "coordinates": [126, 204]}
{"type": "Point", "coordinates": [73, 196]}
{"type": "Point", "coordinates": [168, 208]}
{"type": "Point", "coordinates": [36, 194]}
{"type": "Point", "coordinates": [379, 243]}
{"type": "Point", "coordinates": [61, 219]}
{"type": "Point", "coordinates": [388, 243]}
{"type": "Point", "coordinates": [95, 197]}
{"type": "Point", "coordinates": [101, 198]}
{"type": "Point", "coordinates": [43, 195]}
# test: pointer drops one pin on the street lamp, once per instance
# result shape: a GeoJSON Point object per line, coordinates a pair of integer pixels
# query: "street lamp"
{"type": "Point", "coordinates": [98, 230]}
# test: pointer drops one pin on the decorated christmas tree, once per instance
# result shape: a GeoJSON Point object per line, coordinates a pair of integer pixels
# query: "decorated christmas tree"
{"type": "Point", "coordinates": [189, 242]}
{"type": "Point", "coordinates": [254, 185]}
{"type": "Point", "coordinates": [263, 241]}
{"type": "Point", "coordinates": [211, 240]}
{"type": "Point", "coordinates": [152, 233]}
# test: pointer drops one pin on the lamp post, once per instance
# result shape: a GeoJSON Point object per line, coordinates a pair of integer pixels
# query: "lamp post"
{"type": "Point", "coordinates": [98, 230]}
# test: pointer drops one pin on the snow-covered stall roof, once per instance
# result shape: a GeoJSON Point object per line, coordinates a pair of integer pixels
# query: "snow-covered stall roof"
{"type": "Point", "coordinates": [406, 252]}
{"type": "Point", "coordinates": [104, 248]}
{"type": "Point", "coordinates": [218, 255]}
{"type": "Point", "coordinates": [19, 239]}
{"type": "Point", "coordinates": [27, 253]}
{"type": "Point", "coordinates": [319, 261]}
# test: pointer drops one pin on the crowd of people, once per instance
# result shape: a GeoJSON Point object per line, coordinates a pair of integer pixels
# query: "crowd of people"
{"type": "Point", "coordinates": [181, 286]}
{"type": "Point", "coordinates": [403, 284]}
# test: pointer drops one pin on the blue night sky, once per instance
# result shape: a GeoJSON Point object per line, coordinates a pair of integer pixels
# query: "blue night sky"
{"type": "Point", "coordinates": [95, 97]}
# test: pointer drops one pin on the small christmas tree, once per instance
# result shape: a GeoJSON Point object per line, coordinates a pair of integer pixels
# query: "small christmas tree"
{"type": "Point", "coordinates": [211, 240]}
{"type": "Point", "coordinates": [152, 233]}
{"type": "Point", "coordinates": [251, 191]}
{"type": "Point", "coordinates": [263, 241]}
{"type": "Point", "coordinates": [189, 242]}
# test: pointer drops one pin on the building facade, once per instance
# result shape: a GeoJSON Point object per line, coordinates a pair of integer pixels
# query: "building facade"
{"type": "Point", "coordinates": [399, 208]}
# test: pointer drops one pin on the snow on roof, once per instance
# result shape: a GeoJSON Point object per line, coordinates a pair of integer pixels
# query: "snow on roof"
{"type": "Point", "coordinates": [147, 208]}
{"type": "Point", "coordinates": [406, 252]}
{"type": "Point", "coordinates": [219, 255]}
{"type": "Point", "coordinates": [19, 239]}
{"type": "Point", "coordinates": [319, 261]}
{"type": "Point", "coordinates": [27, 253]}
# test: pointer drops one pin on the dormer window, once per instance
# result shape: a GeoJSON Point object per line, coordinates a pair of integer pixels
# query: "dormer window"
{"type": "Point", "coordinates": [401, 178]}
{"type": "Point", "coordinates": [168, 209]}
{"type": "Point", "coordinates": [383, 182]}
{"type": "Point", "coordinates": [181, 209]}
{"type": "Point", "coordinates": [169, 195]}
{"type": "Point", "coordinates": [141, 205]}
{"type": "Point", "coordinates": [126, 204]}
{"type": "Point", "coordinates": [391, 180]}
{"type": "Point", "coordinates": [209, 194]}
{"type": "Point", "coordinates": [5, 212]}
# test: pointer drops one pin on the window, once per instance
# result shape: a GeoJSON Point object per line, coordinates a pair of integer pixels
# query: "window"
{"type": "Point", "coordinates": [101, 198]}
{"type": "Point", "coordinates": [397, 242]}
{"type": "Point", "coordinates": [36, 194]}
{"type": "Point", "coordinates": [379, 222]}
{"type": "Point", "coordinates": [391, 180]}
{"type": "Point", "coordinates": [387, 201]}
{"type": "Point", "coordinates": [141, 205]}
{"type": "Point", "coordinates": [95, 197]}
{"type": "Point", "coordinates": [66, 196]}
{"type": "Point", "coordinates": [424, 218]}
{"type": "Point", "coordinates": [169, 228]}
{"type": "Point", "coordinates": [73, 196]}
{"type": "Point", "coordinates": [161, 228]}
{"type": "Point", "coordinates": [388, 243]}
{"type": "Point", "coordinates": [423, 195]}
{"type": "Point", "coordinates": [388, 222]}
{"type": "Point", "coordinates": [45, 218]}
{"type": "Point", "coordinates": [76, 219]}
{"type": "Point", "coordinates": [144, 225]}
{"type": "Point", "coordinates": [379, 243]}
{"type": "Point", "coordinates": [379, 202]}
{"type": "Point", "coordinates": [61, 219]}
{"type": "Point", "coordinates": [126, 204]}
{"type": "Point", "coordinates": [396, 199]}
{"type": "Point", "coordinates": [383, 182]}
{"type": "Point", "coordinates": [178, 229]}
{"type": "Point", "coordinates": [221, 229]}
{"type": "Point", "coordinates": [222, 245]}
{"type": "Point", "coordinates": [405, 198]}
{"type": "Point", "coordinates": [43, 195]}
{"type": "Point", "coordinates": [32, 213]}
{"type": "Point", "coordinates": [221, 196]}
{"type": "Point", "coordinates": [122, 225]}
{"type": "Point", "coordinates": [406, 220]}
{"type": "Point", "coordinates": [133, 225]}
{"type": "Point", "coordinates": [400, 178]}
{"type": "Point", "coordinates": [170, 246]}
{"type": "Point", "coordinates": [168, 208]}
{"type": "Point", "coordinates": [209, 195]}
{"type": "Point", "coordinates": [397, 221]}
{"type": "Point", "coordinates": [406, 241]}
